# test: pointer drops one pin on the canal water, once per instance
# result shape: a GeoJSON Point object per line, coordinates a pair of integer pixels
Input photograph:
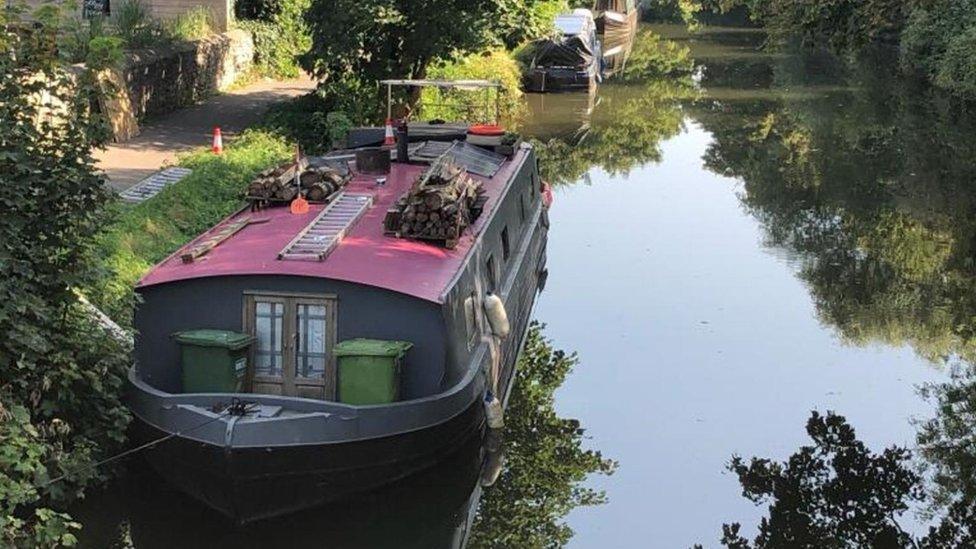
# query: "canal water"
{"type": "Point", "coordinates": [772, 234]}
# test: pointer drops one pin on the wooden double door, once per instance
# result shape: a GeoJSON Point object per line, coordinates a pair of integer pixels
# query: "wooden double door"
{"type": "Point", "coordinates": [295, 335]}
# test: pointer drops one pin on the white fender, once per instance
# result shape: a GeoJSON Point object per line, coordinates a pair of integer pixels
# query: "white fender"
{"type": "Point", "coordinates": [497, 317]}
{"type": "Point", "coordinates": [494, 413]}
{"type": "Point", "coordinates": [494, 462]}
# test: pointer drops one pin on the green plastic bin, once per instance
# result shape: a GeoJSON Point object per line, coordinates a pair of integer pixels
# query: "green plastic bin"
{"type": "Point", "coordinates": [214, 361]}
{"type": "Point", "coordinates": [369, 370]}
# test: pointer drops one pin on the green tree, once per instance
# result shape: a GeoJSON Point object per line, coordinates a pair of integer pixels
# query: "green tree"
{"type": "Point", "coordinates": [546, 463]}
{"type": "Point", "coordinates": [60, 376]}
{"type": "Point", "coordinates": [375, 39]}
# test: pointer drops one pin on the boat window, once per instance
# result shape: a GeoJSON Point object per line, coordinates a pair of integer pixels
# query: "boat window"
{"type": "Point", "coordinates": [506, 246]}
{"type": "Point", "coordinates": [310, 356]}
{"type": "Point", "coordinates": [295, 334]}
{"type": "Point", "coordinates": [472, 321]}
{"type": "Point", "coordinates": [269, 316]}
{"type": "Point", "coordinates": [491, 277]}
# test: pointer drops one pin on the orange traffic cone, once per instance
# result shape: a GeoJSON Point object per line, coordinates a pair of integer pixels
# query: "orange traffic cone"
{"type": "Point", "coordinates": [218, 141]}
{"type": "Point", "coordinates": [388, 136]}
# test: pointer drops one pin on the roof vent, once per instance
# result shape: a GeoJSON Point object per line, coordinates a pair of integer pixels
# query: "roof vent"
{"type": "Point", "coordinates": [324, 233]}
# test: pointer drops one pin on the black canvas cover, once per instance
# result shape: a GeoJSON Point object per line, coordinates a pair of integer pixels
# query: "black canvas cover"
{"type": "Point", "coordinates": [568, 51]}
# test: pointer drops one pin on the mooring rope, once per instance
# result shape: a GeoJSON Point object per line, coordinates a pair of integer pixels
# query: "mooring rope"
{"type": "Point", "coordinates": [236, 408]}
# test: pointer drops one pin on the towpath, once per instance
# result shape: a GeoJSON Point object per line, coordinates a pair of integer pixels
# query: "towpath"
{"type": "Point", "coordinates": [162, 138]}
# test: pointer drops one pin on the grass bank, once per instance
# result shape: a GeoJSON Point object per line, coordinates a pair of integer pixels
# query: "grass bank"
{"type": "Point", "coordinates": [146, 233]}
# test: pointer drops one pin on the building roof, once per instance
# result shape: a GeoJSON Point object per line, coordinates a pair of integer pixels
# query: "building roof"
{"type": "Point", "coordinates": [365, 256]}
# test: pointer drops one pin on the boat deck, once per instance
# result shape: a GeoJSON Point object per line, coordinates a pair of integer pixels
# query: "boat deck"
{"type": "Point", "coordinates": [364, 256]}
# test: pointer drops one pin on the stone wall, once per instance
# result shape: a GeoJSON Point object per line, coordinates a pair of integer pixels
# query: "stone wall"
{"type": "Point", "coordinates": [161, 81]}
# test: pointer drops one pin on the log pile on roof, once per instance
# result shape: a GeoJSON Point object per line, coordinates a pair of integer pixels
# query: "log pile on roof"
{"type": "Point", "coordinates": [277, 184]}
{"type": "Point", "coordinates": [440, 205]}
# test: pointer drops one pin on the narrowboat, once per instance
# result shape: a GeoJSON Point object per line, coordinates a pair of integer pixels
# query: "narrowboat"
{"type": "Point", "coordinates": [616, 24]}
{"type": "Point", "coordinates": [289, 356]}
{"type": "Point", "coordinates": [616, 19]}
{"type": "Point", "coordinates": [570, 60]}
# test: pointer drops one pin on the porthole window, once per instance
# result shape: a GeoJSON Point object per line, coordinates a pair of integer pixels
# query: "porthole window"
{"type": "Point", "coordinates": [490, 275]}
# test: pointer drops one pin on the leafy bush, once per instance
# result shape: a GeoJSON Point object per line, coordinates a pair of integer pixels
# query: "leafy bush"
{"type": "Point", "coordinates": [957, 70]}
{"type": "Point", "coordinates": [280, 35]}
{"type": "Point", "coordinates": [497, 65]}
{"type": "Point", "coordinates": [76, 35]}
{"type": "Point", "coordinates": [515, 22]}
{"type": "Point", "coordinates": [60, 375]}
{"type": "Point", "coordinates": [194, 24]}
{"type": "Point", "coordinates": [309, 121]}
{"type": "Point", "coordinates": [261, 10]}
{"type": "Point", "coordinates": [104, 51]}
{"type": "Point", "coordinates": [671, 10]}
{"type": "Point", "coordinates": [134, 25]}
{"type": "Point", "coordinates": [147, 232]}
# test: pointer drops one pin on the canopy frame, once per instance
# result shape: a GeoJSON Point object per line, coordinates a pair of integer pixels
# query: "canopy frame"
{"type": "Point", "coordinates": [464, 85]}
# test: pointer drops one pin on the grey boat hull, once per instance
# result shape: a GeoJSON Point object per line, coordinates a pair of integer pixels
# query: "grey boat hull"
{"type": "Point", "coordinates": [248, 484]}
{"type": "Point", "coordinates": [255, 467]}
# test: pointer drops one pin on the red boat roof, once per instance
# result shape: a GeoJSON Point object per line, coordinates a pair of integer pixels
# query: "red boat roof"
{"type": "Point", "coordinates": [364, 256]}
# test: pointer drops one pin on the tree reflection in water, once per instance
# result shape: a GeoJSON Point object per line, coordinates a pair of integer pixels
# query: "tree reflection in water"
{"type": "Point", "coordinates": [624, 124]}
{"type": "Point", "coordinates": [546, 460]}
{"type": "Point", "coordinates": [867, 182]}
{"type": "Point", "coordinates": [837, 493]}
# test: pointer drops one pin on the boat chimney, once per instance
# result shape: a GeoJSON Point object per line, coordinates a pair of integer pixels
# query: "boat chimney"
{"type": "Point", "coordinates": [402, 141]}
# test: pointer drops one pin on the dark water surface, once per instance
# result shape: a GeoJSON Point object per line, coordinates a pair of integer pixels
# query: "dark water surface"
{"type": "Point", "coordinates": [774, 234]}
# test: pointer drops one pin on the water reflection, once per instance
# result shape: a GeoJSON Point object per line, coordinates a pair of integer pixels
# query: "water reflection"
{"type": "Point", "coordinates": [619, 128]}
{"type": "Point", "coordinates": [871, 189]}
{"type": "Point", "coordinates": [431, 509]}
{"type": "Point", "coordinates": [866, 182]}
{"type": "Point", "coordinates": [839, 493]}
{"type": "Point", "coordinates": [857, 186]}
{"type": "Point", "coordinates": [624, 130]}
{"type": "Point", "coordinates": [547, 463]}
{"type": "Point", "coordinates": [511, 489]}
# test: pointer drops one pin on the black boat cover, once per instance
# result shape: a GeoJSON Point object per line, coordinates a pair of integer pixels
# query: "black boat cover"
{"type": "Point", "coordinates": [568, 51]}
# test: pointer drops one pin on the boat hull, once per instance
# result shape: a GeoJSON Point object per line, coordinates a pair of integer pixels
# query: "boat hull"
{"type": "Point", "coordinates": [248, 484]}
{"type": "Point", "coordinates": [543, 80]}
{"type": "Point", "coordinates": [612, 24]}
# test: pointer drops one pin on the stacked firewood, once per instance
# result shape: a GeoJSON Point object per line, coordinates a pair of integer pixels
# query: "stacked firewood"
{"type": "Point", "coordinates": [320, 183]}
{"type": "Point", "coordinates": [278, 184]}
{"type": "Point", "coordinates": [441, 203]}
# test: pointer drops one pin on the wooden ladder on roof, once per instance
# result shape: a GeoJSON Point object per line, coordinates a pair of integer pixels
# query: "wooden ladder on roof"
{"type": "Point", "coordinates": [215, 239]}
{"type": "Point", "coordinates": [323, 234]}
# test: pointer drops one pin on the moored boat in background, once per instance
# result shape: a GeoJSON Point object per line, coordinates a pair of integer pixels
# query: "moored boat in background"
{"type": "Point", "coordinates": [616, 19]}
{"type": "Point", "coordinates": [570, 60]}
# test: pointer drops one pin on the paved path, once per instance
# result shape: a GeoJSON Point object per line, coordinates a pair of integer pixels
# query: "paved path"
{"type": "Point", "coordinates": [165, 136]}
